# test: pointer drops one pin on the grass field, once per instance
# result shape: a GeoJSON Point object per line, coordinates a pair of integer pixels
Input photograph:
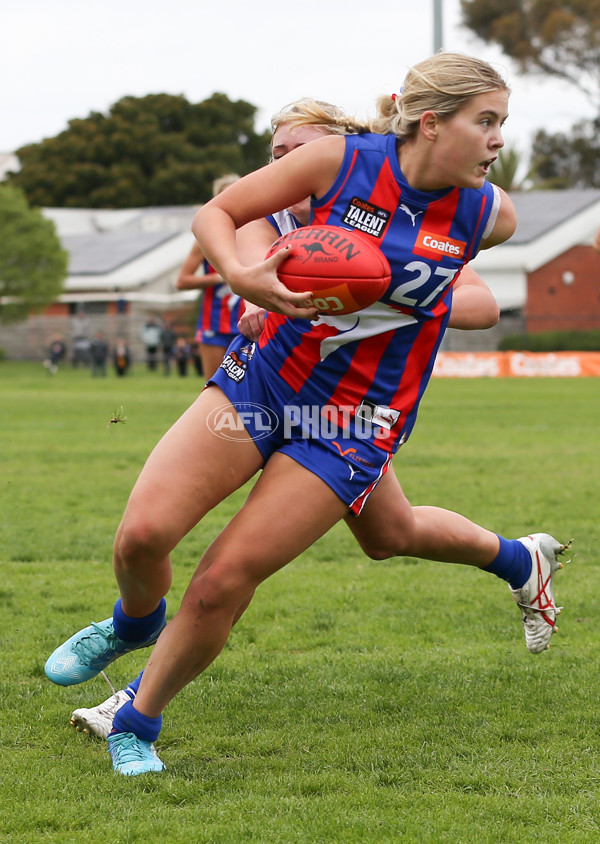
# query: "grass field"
{"type": "Point", "coordinates": [357, 701]}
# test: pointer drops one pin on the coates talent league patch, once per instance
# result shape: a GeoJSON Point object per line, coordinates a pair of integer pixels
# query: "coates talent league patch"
{"type": "Point", "coordinates": [366, 217]}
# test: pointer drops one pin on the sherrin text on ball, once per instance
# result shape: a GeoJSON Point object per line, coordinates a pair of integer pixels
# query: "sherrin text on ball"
{"type": "Point", "coordinates": [344, 270]}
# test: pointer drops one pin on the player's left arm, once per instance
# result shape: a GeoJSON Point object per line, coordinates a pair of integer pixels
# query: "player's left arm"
{"type": "Point", "coordinates": [505, 225]}
{"type": "Point", "coordinates": [473, 303]}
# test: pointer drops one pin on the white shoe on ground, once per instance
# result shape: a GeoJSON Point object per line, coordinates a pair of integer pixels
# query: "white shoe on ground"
{"type": "Point", "coordinates": [97, 721]}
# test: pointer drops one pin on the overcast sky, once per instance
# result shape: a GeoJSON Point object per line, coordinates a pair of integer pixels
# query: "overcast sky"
{"type": "Point", "coordinates": [64, 59]}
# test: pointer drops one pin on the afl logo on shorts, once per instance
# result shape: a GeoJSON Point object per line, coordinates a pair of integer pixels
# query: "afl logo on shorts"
{"type": "Point", "coordinates": [229, 420]}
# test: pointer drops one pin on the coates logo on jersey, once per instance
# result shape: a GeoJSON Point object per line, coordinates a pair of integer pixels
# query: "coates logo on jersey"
{"type": "Point", "coordinates": [438, 246]}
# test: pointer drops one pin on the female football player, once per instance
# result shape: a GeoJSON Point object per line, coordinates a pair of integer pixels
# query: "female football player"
{"type": "Point", "coordinates": [433, 146]}
{"type": "Point", "coordinates": [473, 307]}
{"type": "Point", "coordinates": [220, 308]}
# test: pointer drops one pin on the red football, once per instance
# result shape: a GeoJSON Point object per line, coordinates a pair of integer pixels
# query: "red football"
{"type": "Point", "coordinates": [344, 269]}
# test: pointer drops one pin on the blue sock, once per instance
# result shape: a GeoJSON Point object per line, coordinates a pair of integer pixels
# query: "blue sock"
{"type": "Point", "coordinates": [512, 564]}
{"type": "Point", "coordinates": [132, 688]}
{"type": "Point", "coordinates": [131, 629]}
{"type": "Point", "coordinates": [129, 720]}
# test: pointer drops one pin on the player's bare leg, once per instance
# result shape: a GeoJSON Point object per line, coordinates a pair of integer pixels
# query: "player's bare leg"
{"type": "Point", "coordinates": [389, 526]}
{"type": "Point", "coordinates": [211, 357]}
{"type": "Point", "coordinates": [188, 473]}
{"type": "Point", "coordinates": [262, 538]}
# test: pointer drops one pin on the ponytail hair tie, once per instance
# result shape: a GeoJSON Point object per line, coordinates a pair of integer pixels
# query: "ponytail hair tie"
{"type": "Point", "coordinates": [394, 97]}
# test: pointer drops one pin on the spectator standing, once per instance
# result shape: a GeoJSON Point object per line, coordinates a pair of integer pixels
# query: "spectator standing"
{"type": "Point", "coordinates": [182, 355]}
{"type": "Point", "coordinates": [150, 335]}
{"type": "Point", "coordinates": [56, 352]}
{"type": "Point", "coordinates": [168, 338]}
{"type": "Point", "coordinates": [196, 358]}
{"type": "Point", "coordinates": [121, 357]}
{"type": "Point", "coordinates": [99, 355]}
{"type": "Point", "coordinates": [80, 330]}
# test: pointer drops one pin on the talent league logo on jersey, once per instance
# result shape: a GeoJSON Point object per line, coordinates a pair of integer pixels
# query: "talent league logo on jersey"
{"type": "Point", "coordinates": [436, 246]}
{"type": "Point", "coordinates": [234, 366]}
{"type": "Point", "coordinates": [366, 217]}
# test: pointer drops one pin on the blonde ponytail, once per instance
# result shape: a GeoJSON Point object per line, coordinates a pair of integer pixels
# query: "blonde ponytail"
{"type": "Point", "coordinates": [443, 83]}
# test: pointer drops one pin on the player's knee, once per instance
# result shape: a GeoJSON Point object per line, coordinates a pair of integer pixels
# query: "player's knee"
{"type": "Point", "coordinates": [138, 538]}
{"type": "Point", "coordinates": [381, 553]}
{"type": "Point", "coordinates": [384, 547]}
{"type": "Point", "coordinates": [220, 588]}
{"type": "Point", "coordinates": [378, 551]}
{"type": "Point", "coordinates": [492, 318]}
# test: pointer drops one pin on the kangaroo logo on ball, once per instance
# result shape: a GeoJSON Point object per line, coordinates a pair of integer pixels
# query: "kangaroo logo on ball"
{"type": "Point", "coordinates": [312, 249]}
{"type": "Point", "coordinates": [342, 270]}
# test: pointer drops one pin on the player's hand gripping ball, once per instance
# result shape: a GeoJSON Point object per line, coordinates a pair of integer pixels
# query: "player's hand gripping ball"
{"type": "Point", "coordinates": [344, 270]}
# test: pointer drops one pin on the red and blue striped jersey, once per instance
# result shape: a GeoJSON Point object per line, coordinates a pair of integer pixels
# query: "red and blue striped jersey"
{"type": "Point", "coordinates": [220, 309]}
{"type": "Point", "coordinates": [381, 358]}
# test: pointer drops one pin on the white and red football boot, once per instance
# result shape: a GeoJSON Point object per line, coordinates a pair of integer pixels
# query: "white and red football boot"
{"type": "Point", "coordinates": [536, 597]}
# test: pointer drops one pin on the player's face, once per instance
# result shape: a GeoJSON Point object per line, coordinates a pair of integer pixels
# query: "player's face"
{"type": "Point", "coordinates": [287, 138]}
{"type": "Point", "coordinates": [471, 139]}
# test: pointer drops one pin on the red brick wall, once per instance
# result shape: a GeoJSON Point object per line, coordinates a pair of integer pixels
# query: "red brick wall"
{"type": "Point", "coordinates": [57, 309]}
{"type": "Point", "coordinates": [553, 305]}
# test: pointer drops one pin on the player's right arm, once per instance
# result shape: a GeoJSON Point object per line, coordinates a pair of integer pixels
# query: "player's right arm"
{"type": "Point", "coordinates": [253, 242]}
{"type": "Point", "coordinates": [505, 225]}
{"type": "Point", "coordinates": [310, 169]}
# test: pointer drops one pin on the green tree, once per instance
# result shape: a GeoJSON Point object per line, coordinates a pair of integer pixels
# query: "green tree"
{"type": "Point", "coordinates": [154, 150]}
{"type": "Point", "coordinates": [567, 161]}
{"type": "Point", "coordinates": [33, 264]}
{"type": "Point", "coordinates": [560, 39]}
